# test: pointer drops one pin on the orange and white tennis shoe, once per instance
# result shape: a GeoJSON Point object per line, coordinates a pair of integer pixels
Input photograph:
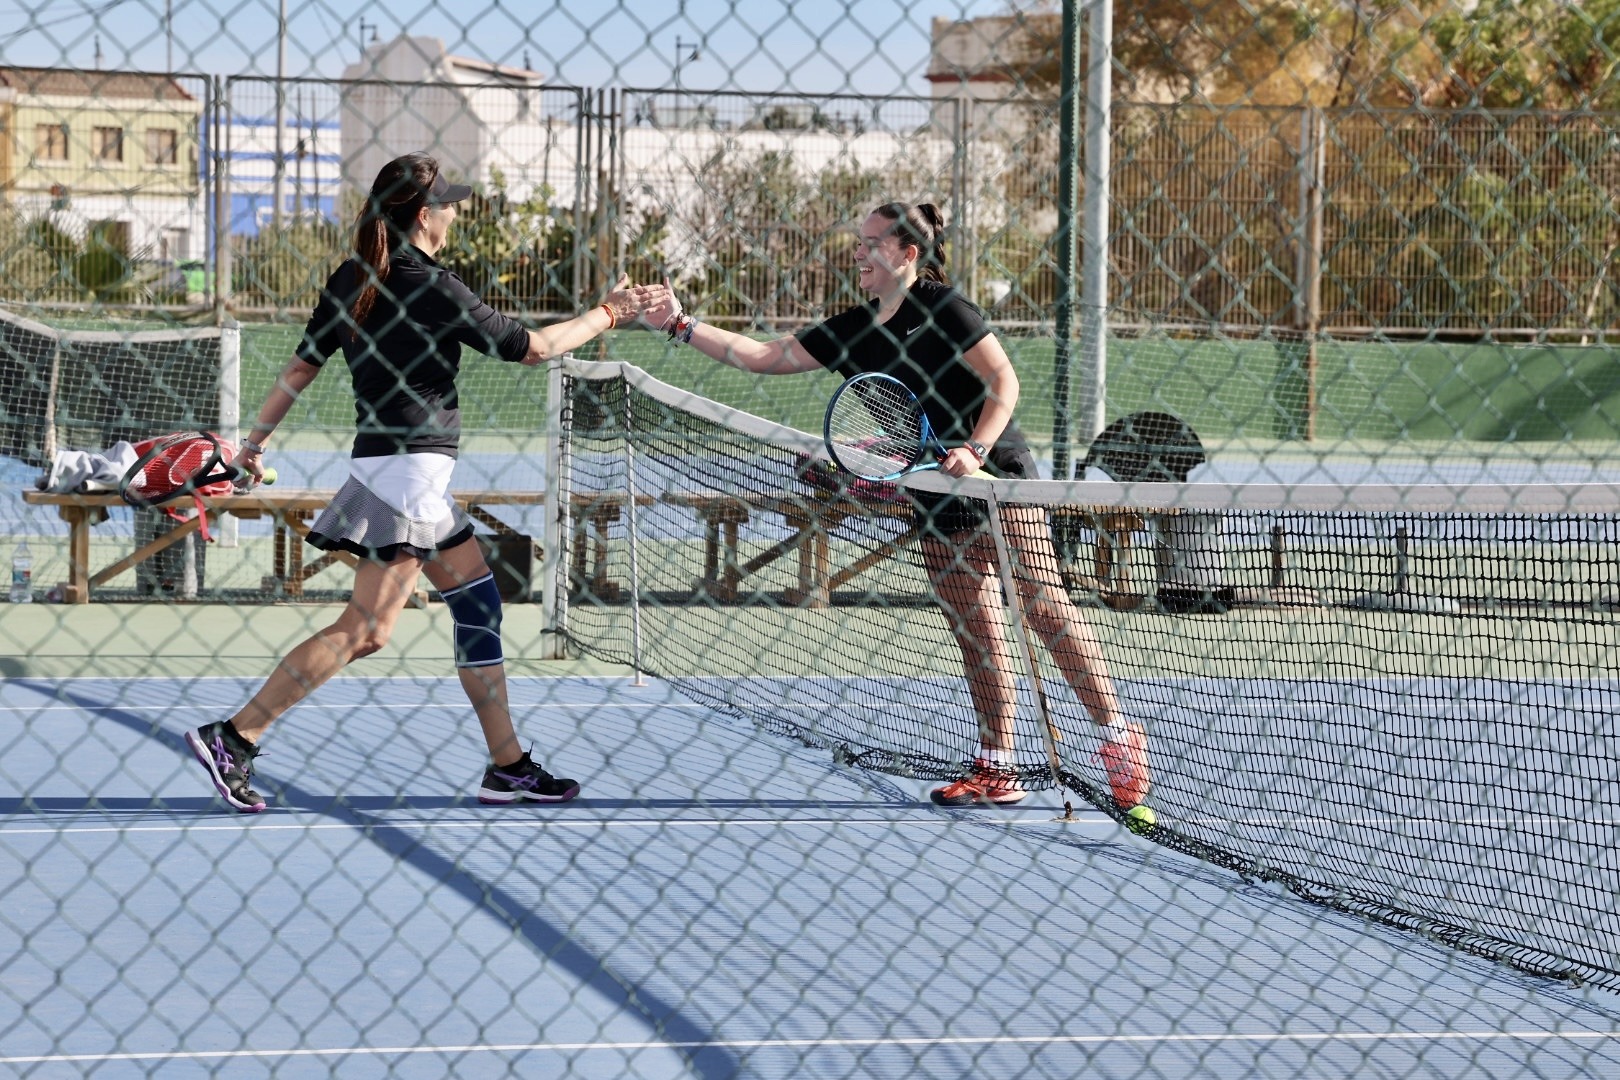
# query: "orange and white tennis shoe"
{"type": "Point", "coordinates": [985, 784]}
{"type": "Point", "coordinates": [1125, 758]}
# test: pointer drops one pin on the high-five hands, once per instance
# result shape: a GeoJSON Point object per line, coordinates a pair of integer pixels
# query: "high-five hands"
{"type": "Point", "coordinates": [662, 316]}
{"type": "Point", "coordinates": [644, 305]}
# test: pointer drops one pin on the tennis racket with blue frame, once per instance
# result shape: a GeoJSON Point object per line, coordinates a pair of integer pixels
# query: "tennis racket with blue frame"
{"type": "Point", "coordinates": [876, 429]}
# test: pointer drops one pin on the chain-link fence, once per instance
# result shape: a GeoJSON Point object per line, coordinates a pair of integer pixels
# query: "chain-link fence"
{"type": "Point", "coordinates": [1255, 721]}
{"type": "Point", "coordinates": [1467, 221]}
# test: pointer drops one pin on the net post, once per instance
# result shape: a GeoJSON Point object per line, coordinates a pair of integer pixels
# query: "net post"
{"type": "Point", "coordinates": [630, 511]}
{"type": "Point", "coordinates": [1010, 584]}
{"type": "Point", "coordinates": [48, 439]}
{"type": "Point", "coordinates": [230, 410]}
{"type": "Point", "coordinates": [553, 597]}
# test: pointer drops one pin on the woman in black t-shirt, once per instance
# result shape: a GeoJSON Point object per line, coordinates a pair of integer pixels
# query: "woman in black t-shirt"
{"type": "Point", "coordinates": [923, 332]}
{"type": "Point", "coordinates": [401, 320]}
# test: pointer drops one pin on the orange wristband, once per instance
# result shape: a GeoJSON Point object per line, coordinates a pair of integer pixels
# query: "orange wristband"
{"type": "Point", "coordinates": [613, 320]}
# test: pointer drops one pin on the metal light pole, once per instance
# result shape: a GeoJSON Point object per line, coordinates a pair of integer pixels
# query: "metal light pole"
{"type": "Point", "coordinates": [1063, 240]}
{"type": "Point", "coordinates": [1083, 288]}
{"type": "Point", "coordinates": [1099, 170]}
{"type": "Point", "coordinates": [278, 187]}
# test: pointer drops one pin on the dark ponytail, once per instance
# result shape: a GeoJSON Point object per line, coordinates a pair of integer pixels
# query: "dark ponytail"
{"type": "Point", "coordinates": [396, 197]}
{"type": "Point", "coordinates": [923, 226]}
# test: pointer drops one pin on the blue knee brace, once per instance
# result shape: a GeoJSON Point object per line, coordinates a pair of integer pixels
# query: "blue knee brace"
{"type": "Point", "coordinates": [476, 608]}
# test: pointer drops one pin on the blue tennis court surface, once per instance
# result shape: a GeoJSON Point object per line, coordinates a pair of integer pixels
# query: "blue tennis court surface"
{"type": "Point", "coordinates": [717, 903]}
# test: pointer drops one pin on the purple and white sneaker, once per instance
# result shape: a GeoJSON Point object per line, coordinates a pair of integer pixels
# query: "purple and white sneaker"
{"type": "Point", "coordinates": [524, 780]}
{"type": "Point", "coordinates": [229, 760]}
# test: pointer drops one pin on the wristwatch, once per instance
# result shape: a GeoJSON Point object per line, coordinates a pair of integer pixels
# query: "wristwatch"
{"type": "Point", "coordinates": [978, 450]}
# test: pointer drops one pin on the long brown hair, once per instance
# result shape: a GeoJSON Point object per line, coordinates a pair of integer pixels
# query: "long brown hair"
{"type": "Point", "coordinates": [924, 226]}
{"type": "Point", "coordinates": [396, 197]}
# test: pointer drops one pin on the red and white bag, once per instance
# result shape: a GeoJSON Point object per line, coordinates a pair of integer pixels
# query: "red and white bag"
{"type": "Point", "coordinates": [195, 463]}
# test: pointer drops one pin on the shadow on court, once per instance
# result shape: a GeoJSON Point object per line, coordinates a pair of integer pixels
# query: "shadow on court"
{"type": "Point", "coordinates": [701, 1050]}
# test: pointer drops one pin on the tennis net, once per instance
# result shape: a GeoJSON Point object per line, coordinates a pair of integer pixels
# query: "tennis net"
{"type": "Point", "coordinates": [1393, 701]}
{"type": "Point", "coordinates": [87, 389]}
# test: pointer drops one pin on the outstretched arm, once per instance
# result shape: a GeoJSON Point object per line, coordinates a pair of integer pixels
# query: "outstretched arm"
{"type": "Point", "coordinates": [780, 356]}
{"type": "Point", "coordinates": [626, 305]}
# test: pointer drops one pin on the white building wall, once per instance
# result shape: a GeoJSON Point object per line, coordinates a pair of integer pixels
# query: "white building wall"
{"type": "Point", "coordinates": [480, 120]}
{"type": "Point", "coordinates": [155, 222]}
{"type": "Point", "coordinates": [416, 96]}
{"type": "Point", "coordinates": [311, 185]}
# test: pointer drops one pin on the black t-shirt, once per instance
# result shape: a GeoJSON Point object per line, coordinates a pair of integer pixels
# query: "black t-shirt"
{"type": "Point", "coordinates": [406, 356]}
{"type": "Point", "coordinates": [922, 346]}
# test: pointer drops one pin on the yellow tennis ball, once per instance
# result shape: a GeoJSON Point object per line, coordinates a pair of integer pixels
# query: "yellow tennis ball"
{"type": "Point", "coordinates": [1140, 818]}
{"type": "Point", "coordinates": [269, 476]}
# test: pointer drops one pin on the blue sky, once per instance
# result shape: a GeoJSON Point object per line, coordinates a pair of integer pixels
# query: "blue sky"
{"type": "Point", "coordinates": [822, 46]}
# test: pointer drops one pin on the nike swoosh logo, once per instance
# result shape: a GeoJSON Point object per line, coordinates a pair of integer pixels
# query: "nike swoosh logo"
{"type": "Point", "coordinates": [913, 330]}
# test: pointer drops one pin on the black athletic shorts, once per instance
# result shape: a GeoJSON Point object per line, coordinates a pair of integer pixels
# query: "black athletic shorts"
{"type": "Point", "coordinates": [947, 514]}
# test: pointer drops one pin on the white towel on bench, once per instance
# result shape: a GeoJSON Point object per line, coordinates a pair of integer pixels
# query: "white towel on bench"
{"type": "Point", "coordinates": [80, 472]}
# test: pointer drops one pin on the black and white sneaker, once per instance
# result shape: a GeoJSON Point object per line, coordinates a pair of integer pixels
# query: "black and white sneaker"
{"type": "Point", "coordinates": [229, 760]}
{"type": "Point", "coordinates": [523, 779]}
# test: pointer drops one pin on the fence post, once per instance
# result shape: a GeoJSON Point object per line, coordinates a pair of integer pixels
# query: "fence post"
{"type": "Point", "coordinates": [601, 179]}
{"type": "Point", "coordinates": [582, 145]}
{"type": "Point", "coordinates": [1095, 223]}
{"type": "Point", "coordinates": [967, 256]}
{"type": "Point", "coordinates": [1308, 279]}
{"type": "Point", "coordinates": [222, 200]}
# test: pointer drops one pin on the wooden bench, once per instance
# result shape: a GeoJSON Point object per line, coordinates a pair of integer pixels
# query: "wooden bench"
{"type": "Point", "coordinates": [810, 521]}
{"type": "Point", "coordinates": [1115, 529]}
{"type": "Point", "coordinates": [292, 511]}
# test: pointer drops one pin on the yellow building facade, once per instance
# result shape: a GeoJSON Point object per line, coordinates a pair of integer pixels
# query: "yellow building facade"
{"type": "Point", "coordinates": [101, 147]}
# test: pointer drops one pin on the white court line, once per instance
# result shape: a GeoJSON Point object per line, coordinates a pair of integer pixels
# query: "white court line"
{"type": "Point", "coordinates": [258, 822]}
{"type": "Point", "coordinates": [308, 706]}
{"type": "Point", "coordinates": [554, 823]}
{"type": "Point", "coordinates": [335, 679]}
{"type": "Point", "coordinates": [1262, 1039]}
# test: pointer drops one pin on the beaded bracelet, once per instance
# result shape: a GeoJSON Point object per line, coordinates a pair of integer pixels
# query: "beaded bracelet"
{"type": "Point", "coordinates": [682, 330]}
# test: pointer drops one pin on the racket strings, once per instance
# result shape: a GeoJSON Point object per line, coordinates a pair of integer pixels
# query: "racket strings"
{"type": "Point", "coordinates": [879, 419]}
{"type": "Point", "coordinates": [177, 464]}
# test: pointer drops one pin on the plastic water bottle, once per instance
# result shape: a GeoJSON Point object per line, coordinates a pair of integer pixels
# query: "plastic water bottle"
{"type": "Point", "coordinates": [22, 575]}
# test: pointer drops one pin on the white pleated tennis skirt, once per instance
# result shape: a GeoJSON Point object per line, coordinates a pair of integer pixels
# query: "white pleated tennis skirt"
{"type": "Point", "coordinates": [392, 506]}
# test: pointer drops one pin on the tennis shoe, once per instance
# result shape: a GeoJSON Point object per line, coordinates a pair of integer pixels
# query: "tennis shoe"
{"type": "Point", "coordinates": [984, 785]}
{"type": "Point", "coordinates": [524, 780]}
{"type": "Point", "coordinates": [1125, 758]}
{"type": "Point", "coordinates": [229, 760]}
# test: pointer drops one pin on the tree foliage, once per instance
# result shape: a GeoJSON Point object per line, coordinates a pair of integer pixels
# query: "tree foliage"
{"type": "Point", "coordinates": [1556, 54]}
{"type": "Point", "coordinates": [769, 238]}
